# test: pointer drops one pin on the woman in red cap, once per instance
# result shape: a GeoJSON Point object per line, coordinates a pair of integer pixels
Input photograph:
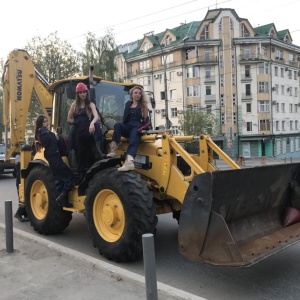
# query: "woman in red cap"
{"type": "Point", "coordinates": [83, 116]}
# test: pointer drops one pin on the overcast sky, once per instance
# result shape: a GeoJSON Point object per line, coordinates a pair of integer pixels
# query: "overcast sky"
{"type": "Point", "coordinates": [21, 20]}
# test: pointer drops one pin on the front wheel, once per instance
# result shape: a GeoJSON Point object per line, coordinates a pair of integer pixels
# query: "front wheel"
{"type": "Point", "coordinates": [119, 209]}
{"type": "Point", "coordinates": [44, 214]}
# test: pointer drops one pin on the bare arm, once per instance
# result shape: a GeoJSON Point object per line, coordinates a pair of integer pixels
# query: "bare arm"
{"type": "Point", "coordinates": [96, 118]}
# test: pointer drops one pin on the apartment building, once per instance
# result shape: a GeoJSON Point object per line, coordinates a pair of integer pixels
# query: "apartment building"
{"type": "Point", "coordinates": [247, 77]}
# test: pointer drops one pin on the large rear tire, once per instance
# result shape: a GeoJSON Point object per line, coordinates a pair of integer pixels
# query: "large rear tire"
{"type": "Point", "coordinates": [44, 214]}
{"type": "Point", "coordinates": [119, 209]}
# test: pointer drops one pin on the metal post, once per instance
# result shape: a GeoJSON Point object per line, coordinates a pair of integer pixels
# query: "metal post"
{"type": "Point", "coordinates": [9, 227]}
{"type": "Point", "coordinates": [166, 94]}
{"type": "Point", "coordinates": [149, 266]}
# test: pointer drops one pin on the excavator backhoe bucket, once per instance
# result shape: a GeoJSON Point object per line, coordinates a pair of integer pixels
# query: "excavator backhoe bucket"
{"type": "Point", "coordinates": [235, 217]}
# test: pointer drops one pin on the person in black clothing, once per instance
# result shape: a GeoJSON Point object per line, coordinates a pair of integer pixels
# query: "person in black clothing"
{"type": "Point", "coordinates": [86, 130]}
{"type": "Point", "coordinates": [135, 119]}
{"type": "Point", "coordinates": [63, 174]}
{"type": "Point", "coordinates": [21, 213]}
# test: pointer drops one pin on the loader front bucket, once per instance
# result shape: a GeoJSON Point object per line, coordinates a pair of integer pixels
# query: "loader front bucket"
{"type": "Point", "coordinates": [235, 217]}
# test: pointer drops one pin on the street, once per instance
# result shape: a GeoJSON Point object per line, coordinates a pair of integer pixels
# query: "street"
{"type": "Point", "coordinates": [274, 278]}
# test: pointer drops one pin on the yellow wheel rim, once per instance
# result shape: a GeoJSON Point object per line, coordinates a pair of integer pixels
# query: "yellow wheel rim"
{"type": "Point", "coordinates": [39, 200]}
{"type": "Point", "coordinates": [108, 215]}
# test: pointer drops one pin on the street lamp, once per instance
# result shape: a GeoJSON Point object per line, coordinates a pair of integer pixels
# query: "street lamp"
{"type": "Point", "coordinates": [164, 56]}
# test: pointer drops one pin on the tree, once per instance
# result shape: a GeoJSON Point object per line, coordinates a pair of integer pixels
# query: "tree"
{"type": "Point", "coordinates": [100, 53]}
{"type": "Point", "coordinates": [196, 122]}
{"type": "Point", "coordinates": [53, 57]}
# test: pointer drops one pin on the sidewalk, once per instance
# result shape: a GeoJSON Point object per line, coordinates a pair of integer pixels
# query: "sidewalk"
{"type": "Point", "coordinates": [41, 269]}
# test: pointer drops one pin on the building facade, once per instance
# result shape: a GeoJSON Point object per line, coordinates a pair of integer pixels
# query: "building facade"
{"type": "Point", "coordinates": [247, 77]}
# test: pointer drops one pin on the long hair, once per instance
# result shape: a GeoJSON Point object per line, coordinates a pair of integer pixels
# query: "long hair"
{"type": "Point", "coordinates": [87, 102]}
{"type": "Point", "coordinates": [142, 104]}
{"type": "Point", "coordinates": [38, 124]}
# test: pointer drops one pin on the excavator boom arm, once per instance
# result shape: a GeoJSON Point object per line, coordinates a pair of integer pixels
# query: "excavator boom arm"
{"type": "Point", "coordinates": [20, 80]}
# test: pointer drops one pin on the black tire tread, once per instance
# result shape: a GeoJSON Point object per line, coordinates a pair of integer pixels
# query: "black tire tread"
{"type": "Point", "coordinates": [139, 211]}
{"type": "Point", "coordinates": [56, 219]}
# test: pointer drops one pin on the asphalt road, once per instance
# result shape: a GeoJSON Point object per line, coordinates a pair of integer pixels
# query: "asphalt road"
{"type": "Point", "coordinates": [276, 277]}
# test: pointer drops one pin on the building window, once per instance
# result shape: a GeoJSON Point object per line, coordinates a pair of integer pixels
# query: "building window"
{"type": "Point", "coordinates": [174, 130]}
{"type": "Point", "coordinates": [291, 125]}
{"type": "Point", "coordinates": [163, 113]}
{"type": "Point", "coordinates": [248, 107]}
{"type": "Point", "coordinates": [168, 58]}
{"type": "Point", "coordinates": [277, 125]}
{"type": "Point", "coordinates": [207, 54]}
{"type": "Point", "coordinates": [223, 118]}
{"type": "Point", "coordinates": [222, 80]}
{"type": "Point", "coordinates": [172, 76]}
{"type": "Point", "coordinates": [291, 108]}
{"type": "Point", "coordinates": [282, 72]}
{"type": "Point", "coordinates": [144, 65]}
{"type": "Point", "coordinates": [283, 125]}
{"type": "Point", "coordinates": [248, 89]}
{"type": "Point", "coordinates": [222, 99]}
{"type": "Point", "coordinates": [193, 91]}
{"type": "Point", "coordinates": [161, 78]}
{"type": "Point", "coordinates": [249, 126]}
{"type": "Point", "coordinates": [282, 90]}
{"type": "Point", "coordinates": [264, 125]}
{"type": "Point", "coordinates": [276, 71]}
{"type": "Point", "coordinates": [245, 31]}
{"type": "Point", "coordinates": [233, 61]}
{"type": "Point", "coordinates": [173, 95]}
{"type": "Point", "coordinates": [233, 79]}
{"type": "Point", "coordinates": [283, 107]}
{"type": "Point", "coordinates": [296, 108]}
{"type": "Point", "coordinates": [162, 95]}
{"type": "Point", "coordinates": [193, 72]}
{"type": "Point", "coordinates": [207, 72]}
{"type": "Point", "coordinates": [174, 112]}
{"type": "Point", "coordinates": [208, 90]}
{"type": "Point", "coordinates": [296, 125]}
{"type": "Point", "coordinates": [247, 71]}
{"type": "Point", "coordinates": [205, 33]}
{"type": "Point", "coordinates": [233, 99]}
{"type": "Point", "coordinates": [263, 68]}
{"type": "Point", "coordinates": [263, 87]}
{"type": "Point", "coordinates": [263, 106]}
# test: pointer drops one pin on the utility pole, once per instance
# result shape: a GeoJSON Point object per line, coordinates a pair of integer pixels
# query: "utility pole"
{"type": "Point", "coordinates": [164, 57]}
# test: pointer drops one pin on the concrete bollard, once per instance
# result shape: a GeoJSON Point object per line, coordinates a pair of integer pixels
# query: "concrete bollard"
{"type": "Point", "coordinates": [149, 266]}
{"type": "Point", "coordinates": [9, 226]}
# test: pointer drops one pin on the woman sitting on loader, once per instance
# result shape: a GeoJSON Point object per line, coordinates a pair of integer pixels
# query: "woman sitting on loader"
{"type": "Point", "coordinates": [135, 119]}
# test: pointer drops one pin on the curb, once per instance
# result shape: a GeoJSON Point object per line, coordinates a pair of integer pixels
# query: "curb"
{"type": "Point", "coordinates": [111, 270]}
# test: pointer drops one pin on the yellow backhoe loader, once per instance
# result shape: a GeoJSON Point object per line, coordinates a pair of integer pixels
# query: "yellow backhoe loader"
{"type": "Point", "coordinates": [229, 218]}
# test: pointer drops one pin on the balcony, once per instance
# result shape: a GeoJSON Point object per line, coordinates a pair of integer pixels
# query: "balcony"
{"type": "Point", "coordinates": [246, 77]}
{"type": "Point", "coordinates": [251, 57]}
{"type": "Point", "coordinates": [210, 99]}
{"type": "Point", "coordinates": [246, 97]}
{"type": "Point", "coordinates": [210, 80]}
{"type": "Point", "coordinates": [202, 60]}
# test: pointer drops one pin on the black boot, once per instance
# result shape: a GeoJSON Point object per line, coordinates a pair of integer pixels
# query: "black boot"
{"type": "Point", "coordinates": [99, 154]}
{"type": "Point", "coordinates": [62, 200]}
{"type": "Point", "coordinates": [20, 213]}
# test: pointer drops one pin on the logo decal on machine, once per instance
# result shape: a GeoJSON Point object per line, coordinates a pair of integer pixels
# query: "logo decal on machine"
{"type": "Point", "coordinates": [19, 85]}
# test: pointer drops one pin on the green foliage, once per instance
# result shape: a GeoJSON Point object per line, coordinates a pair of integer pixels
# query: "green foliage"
{"type": "Point", "coordinates": [53, 57]}
{"type": "Point", "coordinates": [100, 53]}
{"type": "Point", "coordinates": [196, 122]}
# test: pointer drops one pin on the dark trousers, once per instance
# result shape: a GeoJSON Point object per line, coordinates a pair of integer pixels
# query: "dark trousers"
{"type": "Point", "coordinates": [62, 172]}
{"type": "Point", "coordinates": [130, 132]}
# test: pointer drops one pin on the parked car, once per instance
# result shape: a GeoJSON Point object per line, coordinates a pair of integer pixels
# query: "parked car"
{"type": "Point", "coordinates": [6, 167]}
